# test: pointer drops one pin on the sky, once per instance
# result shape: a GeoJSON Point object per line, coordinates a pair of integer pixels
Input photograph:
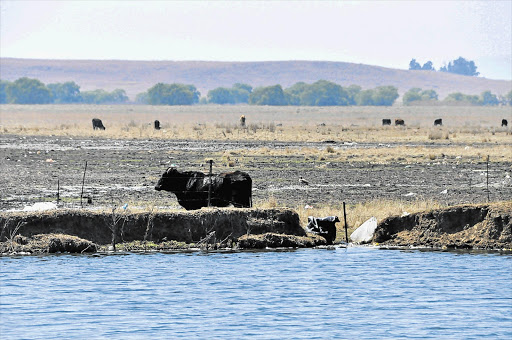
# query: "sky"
{"type": "Point", "coordinates": [383, 33]}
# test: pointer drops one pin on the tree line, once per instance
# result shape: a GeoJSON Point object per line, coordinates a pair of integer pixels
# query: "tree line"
{"type": "Point", "coordinates": [33, 91]}
{"type": "Point", "coordinates": [321, 93]}
{"type": "Point", "coordinates": [417, 96]}
{"type": "Point", "coordinates": [457, 66]}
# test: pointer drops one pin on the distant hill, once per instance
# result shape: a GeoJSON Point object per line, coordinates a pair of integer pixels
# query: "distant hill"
{"type": "Point", "coordinates": [137, 76]}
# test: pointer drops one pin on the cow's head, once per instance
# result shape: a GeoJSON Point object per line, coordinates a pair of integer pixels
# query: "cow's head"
{"type": "Point", "coordinates": [170, 180]}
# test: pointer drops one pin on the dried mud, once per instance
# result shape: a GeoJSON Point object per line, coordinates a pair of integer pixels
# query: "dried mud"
{"type": "Point", "coordinates": [460, 227]}
{"type": "Point", "coordinates": [125, 171]}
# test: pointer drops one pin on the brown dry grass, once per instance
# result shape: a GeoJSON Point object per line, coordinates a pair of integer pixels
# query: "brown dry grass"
{"type": "Point", "coordinates": [386, 154]}
{"type": "Point", "coordinates": [358, 124]}
{"type": "Point", "coordinates": [357, 214]}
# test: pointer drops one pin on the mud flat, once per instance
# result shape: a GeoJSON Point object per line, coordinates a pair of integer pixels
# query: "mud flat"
{"type": "Point", "coordinates": [68, 230]}
{"type": "Point", "coordinates": [459, 227]}
{"type": "Point", "coordinates": [126, 171]}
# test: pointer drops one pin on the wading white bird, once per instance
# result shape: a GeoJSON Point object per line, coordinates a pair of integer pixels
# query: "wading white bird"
{"type": "Point", "coordinates": [303, 181]}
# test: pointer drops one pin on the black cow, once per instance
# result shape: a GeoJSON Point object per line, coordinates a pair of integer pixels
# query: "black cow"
{"type": "Point", "coordinates": [325, 227]}
{"type": "Point", "coordinates": [157, 124]}
{"type": "Point", "coordinates": [386, 122]}
{"type": "Point", "coordinates": [191, 188]}
{"type": "Point", "coordinates": [399, 122]}
{"type": "Point", "coordinates": [438, 121]}
{"type": "Point", "coordinates": [504, 122]}
{"type": "Point", "coordinates": [97, 124]}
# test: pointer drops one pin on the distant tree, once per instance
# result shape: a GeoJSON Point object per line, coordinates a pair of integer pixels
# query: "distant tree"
{"type": "Point", "coordinates": [352, 92]}
{"type": "Point", "coordinates": [294, 92]}
{"type": "Point", "coordinates": [414, 65]}
{"type": "Point", "coordinates": [384, 95]}
{"type": "Point", "coordinates": [461, 66]}
{"type": "Point", "coordinates": [365, 98]}
{"type": "Point", "coordinates": [429, 95]}
{"type": "Point", "coordinates": [100, 96]}
{"type": "Point", "coordinates": [324, 93]}
{"type": "Point", "coordinates": [270, 95]}
{"type": "Point", "coordinates": [488, 99]}
{"type": "Point", "coordinates": [428, 66]}
{"type": "Point", "coordinates": [173, 94]}
{"type": "Point", "coordinates": [119, 96]}
{"type": "Point", "coordinates": [508, 98]}
{"type": "Point", "coordinates": [221, 95]}
{"type": "Point", "coordinates": [68, 92]}
{"type": "Point", "coordinates": [244, 87]}
{"type": "Point", "coordinates": [411, 96]}
{"type": "Point", "coordinates": [3, 91]}
{"type": "Point", "coordinates": [380, 96]}
{"type": "Point", "coordinates": [142, 98]}
{"type": "Point", "coordinates": [241, 92]}
{"type": "Point", "coordinates": [462, 98]}
{"type": "Point", "coordinates": [416, 94]}
{"type": "Point", "coordinates": [28, 91]}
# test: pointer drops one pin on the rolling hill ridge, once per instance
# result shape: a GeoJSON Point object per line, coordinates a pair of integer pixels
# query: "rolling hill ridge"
{"type": "Point", "coordinates": [137, 76]}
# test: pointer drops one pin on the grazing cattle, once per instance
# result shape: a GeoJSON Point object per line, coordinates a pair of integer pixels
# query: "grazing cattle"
{"type": "Point", "coordinates": [399, 122]}
{"type": "Point", "coordinates": [386, 122]}
{"type": "Point", "coordinates": [325, 227]}
{"type": "Point", "coordinates": [157, 124]}
{"type": "Point", "coordinates": [97, 124]}
{"type": "Point", "coordinates": [438, 121]}
{"type": "Point", "coordinates": [242, 120]}
{"type": "Point", "coordinates": [504, 123]}
{"type": "Point", "coordinates": [191, 188]}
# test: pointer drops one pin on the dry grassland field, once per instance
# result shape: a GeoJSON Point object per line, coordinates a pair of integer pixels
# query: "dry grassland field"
{"type": "Point", "coordinates": [344, 152]}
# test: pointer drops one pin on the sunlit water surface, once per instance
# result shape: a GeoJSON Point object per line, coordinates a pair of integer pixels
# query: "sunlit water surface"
{"type": "Point", "coordinates": [304, 294]}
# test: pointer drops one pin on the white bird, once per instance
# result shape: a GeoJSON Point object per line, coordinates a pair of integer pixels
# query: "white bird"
{"type": "Point", "coordinates": [303, 181]}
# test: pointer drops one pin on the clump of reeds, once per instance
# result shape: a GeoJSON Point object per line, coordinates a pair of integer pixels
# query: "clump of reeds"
{"type": "Point", "coordinates": [437, 134]}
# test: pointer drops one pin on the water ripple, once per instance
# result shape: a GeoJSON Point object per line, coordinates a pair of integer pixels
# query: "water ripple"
{"type": "Point", "coordinates": [359, 293]}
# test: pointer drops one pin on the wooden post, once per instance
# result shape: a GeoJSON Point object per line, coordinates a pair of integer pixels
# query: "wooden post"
{"type": "Point", "coordinates": [487, 161]}
{"type": "Point", "coordinates": [58, 191]}
{"type": "Point", "coordinates": [345, 219]}
{"type": "Point", "coordinates": [83, 181]}
{"type": "Point", "coordinates": [210, 183]}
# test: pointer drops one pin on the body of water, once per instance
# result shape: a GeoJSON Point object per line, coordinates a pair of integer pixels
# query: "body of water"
{"type": "Point", "coordinates": [353, 293]}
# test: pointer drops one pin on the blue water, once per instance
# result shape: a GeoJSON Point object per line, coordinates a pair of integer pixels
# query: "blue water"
{"type": "Point", "coordinates": [360, 293]}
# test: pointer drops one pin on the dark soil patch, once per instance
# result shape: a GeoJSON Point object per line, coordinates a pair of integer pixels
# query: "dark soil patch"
{"type": "Point", "coordinates": [126, 171]}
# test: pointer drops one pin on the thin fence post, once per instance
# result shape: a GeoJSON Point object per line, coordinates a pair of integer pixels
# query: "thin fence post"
{"type": "Point", "coordinates": [345, 219]}
{"type": "Point", "coordinates": [58, 191]}
{"type": "Point", "coordinates": [210, 183]}
{"type": "Point", "coordinates": [487, 161]}
{"type": "Point", "coordinates": [83, 181]}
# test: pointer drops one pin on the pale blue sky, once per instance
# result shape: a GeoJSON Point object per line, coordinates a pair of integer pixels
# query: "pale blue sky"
{"type": "Point", "coordinates": [384, 33]}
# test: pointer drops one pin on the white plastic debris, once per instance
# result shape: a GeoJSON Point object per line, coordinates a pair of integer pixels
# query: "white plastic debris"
{"type": "Point", "coordinates": [364, 233]}
{"type": "Point", "coordinates": [410, 194]}
{"type": "Point", "coordinates": [40, 206]}
{"type": "Point", "coordinates": [445, 191]}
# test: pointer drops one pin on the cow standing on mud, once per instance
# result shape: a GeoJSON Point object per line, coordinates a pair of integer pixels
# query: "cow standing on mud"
{"type": "Point", "coordinates": [157, 124]}
{"type": "Point", "coordinates": [399, 122]}
{"type": "Point", "coordinates": [97, 124]}
{"type": "Point", "coordinates": [192, 188]}
{"type": "Point", "coordinates": [386, 122]}
{"type": "Point", "coordinates": [438, 121]}
{"type": "Point", "coordinates": [242, 121]}
{"type": "Point", "coordinates": [504, 123]}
